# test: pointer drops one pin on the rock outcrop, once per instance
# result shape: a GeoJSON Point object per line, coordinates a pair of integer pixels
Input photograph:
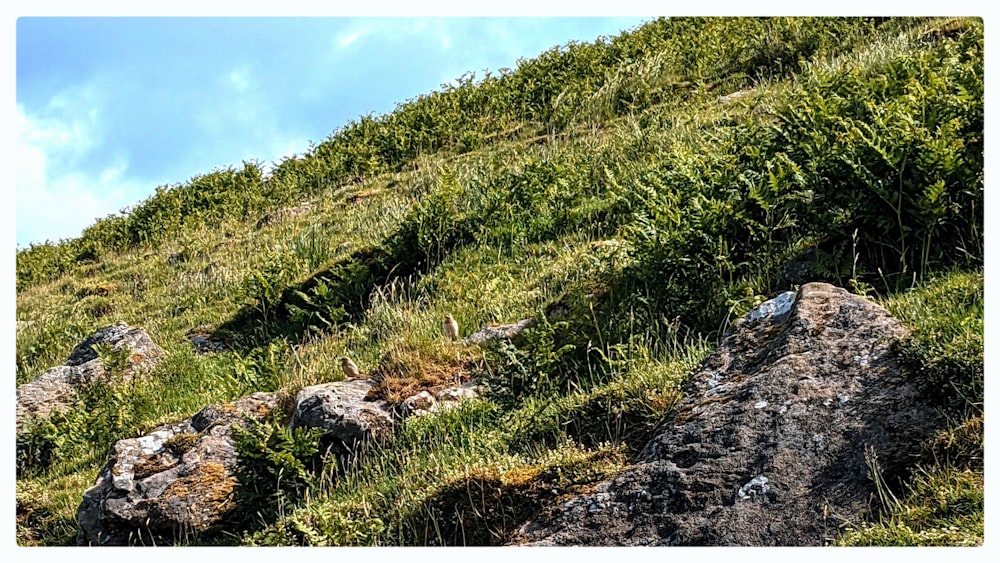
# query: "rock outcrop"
{"type": "Point", "coordinates": [180, 477]}
{"type": "Point", "coordinates": [176, 480]}
{"type": "Point", "coordinates": [343, 411]}
{"type": "Point", "coordinates": [774, 440]}
{"type": "Point", "coordinates": [499, 332]}
{"type": "Point", "coordinates": [56, 389]}
{"type": "Point", "coordinates": [340, 409]}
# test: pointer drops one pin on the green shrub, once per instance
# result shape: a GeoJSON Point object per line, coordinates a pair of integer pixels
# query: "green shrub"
{"type": "Point", "coordinates": [261, 369]}
{"type": "Point", "coordinates": [535, 368]}
{"type": "Point", "coordinates": [893, 152]}
{"type": "Point", "coordinates": [276, 466]}
{"type": "Point", "coordinates": [942, 508]}
{"type": "Point", "coordinates": [35, 446]}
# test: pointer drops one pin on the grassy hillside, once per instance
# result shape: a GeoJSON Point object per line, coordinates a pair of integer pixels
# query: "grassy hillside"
{"type": "Point", "coordinates": [604, 188]}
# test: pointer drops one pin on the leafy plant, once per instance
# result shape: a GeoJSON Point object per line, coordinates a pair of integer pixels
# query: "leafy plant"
{"type": "Point", "coordinates": [276, 466]}
{"type": "Point", "coordinates": [531, 369]}
{"type": "Point", "coordinates": [945, 351]}
{"type": "Point", "coordinates": [262, 369]}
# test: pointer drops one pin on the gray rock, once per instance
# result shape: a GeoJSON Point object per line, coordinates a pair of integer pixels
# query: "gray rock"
{"type": "Point", "coordinates": [56, 389]}
{"type": "Point", "coordinates": [452, 396]}
{"type": "Point", "coordinates": [419, 404]}
{"type": "Point", "coordinates": [203, 341]}
{"type": "Point", "coordinates": [119, 336]}
{"type": "Point", "coordinates": [341, 410]}
{"type": "Point", "coordinates": [501, 332]}
{"type": "Point", "coordinates": [771, 444]}
{"type": "Point", "coordinates": [439, 399]}
{"type": "Point", "coordinates": [175, 480]}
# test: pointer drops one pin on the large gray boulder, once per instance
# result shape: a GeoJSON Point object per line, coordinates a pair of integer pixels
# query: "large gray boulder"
{"type": "Point", "coordinates": [774, 440]}
{"type": "Point", "coordinates": [341, 410]}
{"type": "Point", "coordinates": [344, 412]}
{"type": "Point", "coordinates": [56, 389]}
{"type": "Point", "coordinates": [175, 480]}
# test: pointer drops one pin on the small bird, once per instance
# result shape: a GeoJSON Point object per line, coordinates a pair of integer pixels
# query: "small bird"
{"type": "Point", "coordinates": [350, 370]}
{"type": "Point", "coordinates": [450, 327]}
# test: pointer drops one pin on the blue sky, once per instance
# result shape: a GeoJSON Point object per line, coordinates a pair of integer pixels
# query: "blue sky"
{"type": "Point", "coordinates": [109, 108]}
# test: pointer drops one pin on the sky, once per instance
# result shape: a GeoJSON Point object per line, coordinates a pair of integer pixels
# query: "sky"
{"type": "Point", "coordinates": [110, 108]}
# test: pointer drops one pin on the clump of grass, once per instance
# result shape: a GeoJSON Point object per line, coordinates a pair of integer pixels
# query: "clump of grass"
{"type": "Point", "coordinates": [943, 507]}
{"type": "Point", "coordinates": [945, 350]}
{"type": "Point", "coordinates": [404, 372]}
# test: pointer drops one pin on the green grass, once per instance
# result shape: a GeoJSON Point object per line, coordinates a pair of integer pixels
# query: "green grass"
{"type": "Point", "coordinates": [942, 508]}
{"type": "Point", "coordinates": [631, 213]}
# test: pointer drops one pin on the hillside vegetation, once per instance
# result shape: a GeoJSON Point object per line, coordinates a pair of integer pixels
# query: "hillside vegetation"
{"type": "Point", "coordinates": [607, 189]}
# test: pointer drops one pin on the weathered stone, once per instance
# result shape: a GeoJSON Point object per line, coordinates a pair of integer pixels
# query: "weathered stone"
{"type": "Point", "coordinates": [419, 404]}
{"type": "Point", "coordinates": [772, 443]}
{"type": "Point", "coordinates": [500, 332]}
{"type": "Point", "coordinates": [203, 342]}
{"type": "Point", "coordinates": [119, 336]}
{"type": "Point", "coordinates": [56, 389]}
{"type": "Point", "coordinates": [451, 396]}
{"type": "Point", "coordinates": [341, 410]}
{"type": "Point", "coordinates": [175, 480]}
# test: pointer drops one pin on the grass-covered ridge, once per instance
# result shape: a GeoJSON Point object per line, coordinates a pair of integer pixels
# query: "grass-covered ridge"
{"type": "Point", "coordinates": [601, 187]}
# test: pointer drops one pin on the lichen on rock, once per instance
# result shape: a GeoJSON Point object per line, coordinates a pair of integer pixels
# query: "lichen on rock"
{"type": "Point", "coordinates": [175, 480]}
{"type": "Point", "coordinates": [770, 444]}
{"type": "Point", "coordinates": [57, 389]}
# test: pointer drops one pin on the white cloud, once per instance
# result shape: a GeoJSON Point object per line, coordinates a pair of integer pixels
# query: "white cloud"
{"type": "Point", "coordinates": [71, 138]}
{"type": "Point", "coordinates": [52, 205]}
{"type": "Point", "coordinates": [394, 29]}
{"type": "Point", "coordinates": [240, 79]}
{"type": "Point", "coordinates": [344, 40]}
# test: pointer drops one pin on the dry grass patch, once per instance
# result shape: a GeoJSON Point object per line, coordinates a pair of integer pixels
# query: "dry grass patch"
{"type": "Point", "coordinates": [405, 372]}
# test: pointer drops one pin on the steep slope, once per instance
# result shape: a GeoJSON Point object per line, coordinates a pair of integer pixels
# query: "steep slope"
{"type": "Point", "coordinates": [615, 191]}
